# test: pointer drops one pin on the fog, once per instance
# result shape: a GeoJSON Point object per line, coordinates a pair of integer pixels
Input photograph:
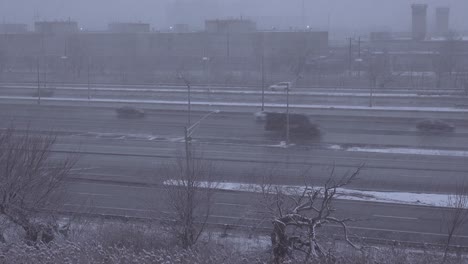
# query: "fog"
{"type": "Point", "coordinates": [333, 15]}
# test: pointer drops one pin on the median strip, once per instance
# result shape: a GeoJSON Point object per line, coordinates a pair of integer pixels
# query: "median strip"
{"type": "Point", "coordinates": [240, 104]}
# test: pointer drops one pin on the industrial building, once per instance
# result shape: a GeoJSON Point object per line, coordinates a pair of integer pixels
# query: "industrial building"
{"type": "Point", "coordinates": [7, 28]}
{"type": "Point", "coordinates": [56, 27]}
{"type": "Point", "coordinates": [230, 26]}
{"type": "Point", "coordinates": [225, 45]}
{"type": "Point", "coordinates": [419, 21]}
{"type": "Point", "coordinates": [442, 21]}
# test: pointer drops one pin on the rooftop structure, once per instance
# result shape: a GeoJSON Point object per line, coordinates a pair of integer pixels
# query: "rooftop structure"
{"type": "Point", "coordinates": [442, 21]}
{"type": "Point", "coordinates": [419, 26]}
{"type": "Point", "coordinates": [230, 26]}
{"type": "Point", "coordinates": [56, 27]}
{"type": "Point", "coordinates": [7, 28]}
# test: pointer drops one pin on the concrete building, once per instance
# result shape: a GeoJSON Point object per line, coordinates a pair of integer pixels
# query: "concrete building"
{"type": "Point", "coordinates": [56, 27]}
{"type": "Point", "coordinates": [442, 21]}
{"type": "Point", "coordinates": [419, 21]}
{"type": "Point", "coordinates": [224, 26]}
{"type": "Point", "coordinates": [140, 56]}
{"type": "Point", "coordinates": [129, 27]}
{"type": "Point", "coordinates": [13, 28]}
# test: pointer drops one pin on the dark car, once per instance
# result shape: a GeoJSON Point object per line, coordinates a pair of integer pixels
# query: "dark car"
{"type": "Point", "coordinates": [300, 126]}
{"type": "Point", "coordinates": [436, 125]}
{"type": "Point", "coordinates": [44, 92]}
{"type": "Point", "coordinates": [130, 112]}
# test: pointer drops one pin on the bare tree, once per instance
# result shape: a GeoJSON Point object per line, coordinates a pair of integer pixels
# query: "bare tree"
{"type": "Point", "coordinates": [297, 216]}
{"type": "Point", "coordinates": [189, 193]}
{"type": "Point", "coordinates": [457, 217]}
{"type": "Point", "coordinates": [28, 179]}
{"type": "Point", "coordinates": [379, 70]}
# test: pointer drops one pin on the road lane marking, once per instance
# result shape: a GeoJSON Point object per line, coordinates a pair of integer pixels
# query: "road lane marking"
{"type": "Point", "coordinates": [396, 217]}
{"type": "Point", "coordinates": [92, 194]}
{"type": "Point", "coordinates": [85, 168]}
{"type": "Point", "coordinates": [232, 204]}
{"type": "Point", "coordinates": [111, 208]}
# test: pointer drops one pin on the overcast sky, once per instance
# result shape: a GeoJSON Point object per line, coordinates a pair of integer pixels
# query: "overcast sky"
{"type": "Point", "coordinates": [352, 15]}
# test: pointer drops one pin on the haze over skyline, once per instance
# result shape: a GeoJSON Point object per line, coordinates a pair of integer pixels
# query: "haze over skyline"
{"type": "Point", "coordinates": [334, 15]}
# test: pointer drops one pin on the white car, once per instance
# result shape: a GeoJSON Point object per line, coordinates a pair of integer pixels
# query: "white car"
{"type": "Point", "coordinates": [280, 86]}
{"type": "Point", "coordinates": [260, 116]}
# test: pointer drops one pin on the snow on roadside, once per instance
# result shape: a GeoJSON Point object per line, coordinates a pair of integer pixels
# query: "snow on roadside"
{"type": "Point", "coordinates": [408, 151]}
{"type": "Point", "coordinates": [425, 199]}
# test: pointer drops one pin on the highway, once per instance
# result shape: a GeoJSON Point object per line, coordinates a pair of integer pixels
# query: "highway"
{"type": "Point", "coordinates": [119, 169]}
{"type": "Point", "coordinates": [338, 96]}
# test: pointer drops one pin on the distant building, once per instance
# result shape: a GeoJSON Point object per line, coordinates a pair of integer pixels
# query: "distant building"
{"type": "Point", "coordinates": [222, 26]}
{"type": "Point", "coordinates": [56, 27]}
{"type": "Point", "coordinates": [129, 27]}
{"type": "Point", "coordinates": [380, 35]}
{"type": "Point", "coordinates": [442, 21]}
{"type": "Point", "coordinates": [13, 28]}
{"type": "Point", "coordinates": [419, 27]}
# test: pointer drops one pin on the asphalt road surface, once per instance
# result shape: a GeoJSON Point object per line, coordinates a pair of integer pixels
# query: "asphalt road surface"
{"type": "Point", "coordinates": [120, 163]}
{"type": "Point", "coordinates": [360, 97]}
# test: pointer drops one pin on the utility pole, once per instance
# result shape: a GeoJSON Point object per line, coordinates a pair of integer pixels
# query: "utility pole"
{"type": "Point", "coordinates": [189, 117]}
{"type": "Point", "coordinates": [45, 72]}
{"type": "Point", "coordinates": [189, 103]}
{"type": "Point", "coordinates": [89, 79]}
{"type": "Point", "coordinates": [187, 152]}
{"type": "Point", "coordinates": [38, 81]}
{"type": "Point", "coordinates": [287, 114]}
{"type": "Point", "coordinates": [359, 47]}
{"type": "Point", "coordinates": [263, 72]}
{"type": "Point", "coordinates": [350, 61]}
{"type": "Point", "coordinates": [359, 57]}
{"type": "Point", "coordinates": [228, 44]}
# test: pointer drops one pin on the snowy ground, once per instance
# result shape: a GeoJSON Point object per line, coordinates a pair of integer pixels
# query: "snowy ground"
{"type": "Point", "coordinates": [424, 199]}
{"type": "Point", "coordinates": [407, 151]}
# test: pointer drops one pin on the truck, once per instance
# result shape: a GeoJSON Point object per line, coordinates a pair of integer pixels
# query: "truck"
{"type": "Point", "coordinates": [300, 126]}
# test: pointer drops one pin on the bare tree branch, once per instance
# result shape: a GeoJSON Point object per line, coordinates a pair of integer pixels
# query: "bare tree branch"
{"type": "Point", "coordinates": [189, 192]}
{"type": "Point", "coordinates": [29, 177]}
{"type": "Point", "coordinates": [298, 217]}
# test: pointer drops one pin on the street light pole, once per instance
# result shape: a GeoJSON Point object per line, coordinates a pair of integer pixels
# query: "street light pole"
{"type": "Point", "coordinates": [89, 80]}
{"type": "Point", "coordinates": [38, 82]}
{"type": "Point", "coordinates": [263, 72]}
{"type": "Point", "coordinates": [287, 113]}
{"type": "Point", "coordinates": [189, 103]}
{"type": "Point", "coordinates": [188, 138]}
{"type": "Point", "coordinates": [187, 151]}
{"type": "Point", "coordinates": [189, 96]}
{"type": "Point", "coordinates": [263, 81]}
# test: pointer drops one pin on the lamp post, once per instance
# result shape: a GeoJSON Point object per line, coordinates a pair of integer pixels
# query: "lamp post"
{"type": "Point", "coordinates": [205, 60]}
{"type": "Point", "coordinates": [263, 71]}
{"type": "Point", "coordinates": [38, 81]}
{"type": "Point", "coordinates": [188, 131]}
{"type": "Point", "coordinates": [89, 78]}
{"type": "Point", "coordinates": [287, 113]}
{"type": "Point", "coordinates": [189, 103]}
